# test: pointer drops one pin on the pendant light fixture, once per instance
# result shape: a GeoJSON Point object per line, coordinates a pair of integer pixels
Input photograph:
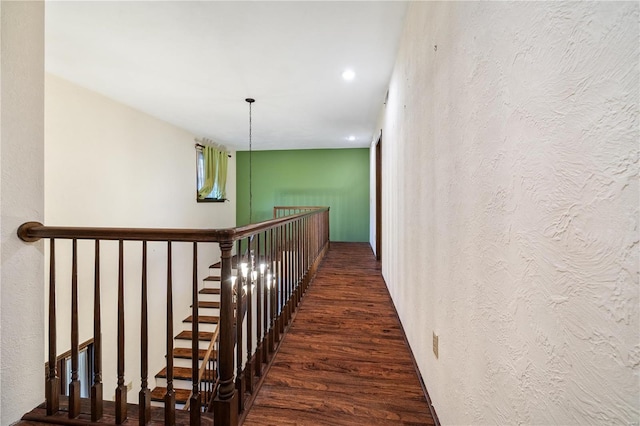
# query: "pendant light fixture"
{"type": "Point", "coordinates": [250, 101]}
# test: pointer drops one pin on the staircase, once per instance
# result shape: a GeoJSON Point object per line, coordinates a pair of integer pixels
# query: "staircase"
{"type": "Point", "coordinates": [208, 319]}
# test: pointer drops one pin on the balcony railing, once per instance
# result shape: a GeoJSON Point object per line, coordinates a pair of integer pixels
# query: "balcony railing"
{"type": "Point", "coordinates": [261, 286]}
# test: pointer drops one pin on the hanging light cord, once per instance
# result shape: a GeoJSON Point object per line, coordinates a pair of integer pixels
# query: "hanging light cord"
{"type": "Point", "coordinates": [250, 101]}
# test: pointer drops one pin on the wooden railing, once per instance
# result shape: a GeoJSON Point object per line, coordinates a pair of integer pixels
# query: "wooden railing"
{"type": "Point", "coordinates": [278, 259]}
{"type": "Point", "coordinates": [282, 211]}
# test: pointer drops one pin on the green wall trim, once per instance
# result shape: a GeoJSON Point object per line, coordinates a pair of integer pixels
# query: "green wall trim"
{"type": "Point", "coordinates": [337, 178]}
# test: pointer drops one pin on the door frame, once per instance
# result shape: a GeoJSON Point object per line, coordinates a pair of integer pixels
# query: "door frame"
{"type": "Point", "coordinates": [379, 197]}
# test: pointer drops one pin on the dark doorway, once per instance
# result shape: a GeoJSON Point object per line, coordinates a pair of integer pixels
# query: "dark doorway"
{"type": "Point", "coordinates": [379, 198]}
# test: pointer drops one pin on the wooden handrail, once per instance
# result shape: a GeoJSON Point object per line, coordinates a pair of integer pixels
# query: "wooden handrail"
{"type": "Point", "coordinates": [34, 231]}
{"type": "Point", "coordinates": [286, 211]}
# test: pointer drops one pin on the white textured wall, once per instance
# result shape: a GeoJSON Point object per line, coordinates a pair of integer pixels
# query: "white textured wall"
{"type": "Point", "coordinates": [107, 164]}
{"type": "Point", "coordinates": [511, 208]}
{"type": "Point", "coordinates": [21, 190]}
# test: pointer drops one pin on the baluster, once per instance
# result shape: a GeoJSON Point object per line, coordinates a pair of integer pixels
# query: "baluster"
{"type": "Point", "coordinates": [314, 239]}
{"type": "Point", "coordinates": [52, 393]}
{"type": "Point", "coordinates": [294, 269]}
{"type": "Point", "coordinates": [305, 252]}
{"type": "Point", "coordinates": [285, 279]}
{"type": "Point", "coordinates": [309, 238]}
{"type": "Point", "coordinates": [278, 273]}
{"type": "Point", "coordinates": [212, 379]}
{"type": "Point", "coordinates": [282, 282]}
{"type": "Point", "coordinates": [96, 389]}
{"type": "Point", "coordinates": [248, 370]}
{"type": "Point", "coordinates": [144, 405]}
{"type": "Point", "coordinates": [74, 386]}
{"type": "Point", "coordinates": [195, 400]}
{"type": "Point", "coordinates": [289, 273]}
{"type": "Point", "coordinates": [266, 286]}
{"type": "Point", "coordinates": [267, 299]}
{"type": "Point", "coordinates": [170, 397]}
{"type": "Point", "coordinates": [239, 319]}
{"type": "Point", "coordinates": [296, 264]}
{"type": "Point", "coordinates": [291, 298]}
{"type": "Point", "coordinates": [327, 229]}
{"type": "Point", "coordinates": [301, 257]}
{"type": "Point", "coordinates": [225, 404]}
{"type": "Point", "coordinates": [274, 289]}
{"type": "Point", "coordinates": [261, 256]}
{"type": "Point", "coordinates": [318, 232]}
{"type": "Point", "coordinates": [121, 389]}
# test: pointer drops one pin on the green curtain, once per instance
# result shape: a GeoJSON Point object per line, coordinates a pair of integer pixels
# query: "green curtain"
{"type": "Point", "coordinates": [221, 180]}
{"type": "Point", "coordinates": [209, 171]}
{"type": "Point", "coordinates": [215, 173]}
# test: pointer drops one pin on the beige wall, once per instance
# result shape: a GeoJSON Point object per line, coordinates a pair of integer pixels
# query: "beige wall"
{"type": "Point", "coordinates": [21, 190]}
{"type": "Point", "coordinates": [511, 208]}
{"type": "Point", "coordinates": [107, 164]}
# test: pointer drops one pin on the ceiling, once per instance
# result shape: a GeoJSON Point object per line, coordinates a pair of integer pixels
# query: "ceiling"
{"type": "Point", "coordinates": [192, 64]}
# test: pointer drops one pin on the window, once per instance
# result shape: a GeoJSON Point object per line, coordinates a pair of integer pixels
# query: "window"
{"type": "Point", "coordinates": [211, 165]}
{"type": "Point", "coordinates": [85, 369]}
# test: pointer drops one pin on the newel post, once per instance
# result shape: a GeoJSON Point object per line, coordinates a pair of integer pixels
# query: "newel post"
{"type": "Point", "coordinates": [225, 405]}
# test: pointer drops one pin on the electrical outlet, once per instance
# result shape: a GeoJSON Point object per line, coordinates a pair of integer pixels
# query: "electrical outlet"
{"type": "Point", "coordinates": [129, 386]}
{"type": "Point", "coordinates": [435, 344]}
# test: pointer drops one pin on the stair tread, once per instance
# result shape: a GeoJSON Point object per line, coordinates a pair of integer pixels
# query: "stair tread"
{"type": "Point", "coordinates": [212, 278]}
{"type": "Point", "coordinates": [234, 263]}
{"type": "Point", "coordinates": [180, 373]}
{"type": "Point", "coordinates": [208, 304]}
{"type": "Point", "coordinates": [186, 353]}
{"type": "Point", "coordinates": [208, 290]}
{"type": "Point", "coordinates": [204, 319]}
{"type": "Point", "coordinates": [202, 335]}
{"type": "Point", "coordinates": [158, 393]}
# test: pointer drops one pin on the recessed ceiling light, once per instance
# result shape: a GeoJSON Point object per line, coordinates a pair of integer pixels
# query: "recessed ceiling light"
{"type": "Point", "coordinates": [351, 138]}
{"type": "Point", "coordinates": [348, 74]}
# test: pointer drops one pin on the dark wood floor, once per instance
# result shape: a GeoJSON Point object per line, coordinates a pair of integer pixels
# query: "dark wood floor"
{"type": "Point", "coordinates": [344, 360]}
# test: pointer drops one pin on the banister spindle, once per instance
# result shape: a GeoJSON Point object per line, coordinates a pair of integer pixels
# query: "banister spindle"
{"type": "Point", "coordinates": [261, 256]}
{"type": "Point", "coordinates": [297, 265]}
{"type": "Point", "coordinates": [170, 397]}
{"type": "Point", "coordinates": [289, 275]}
{"type": "Point", "coordinates": [272, 289]}
{"type": "Point", "coordinates": [96, 389]}
{"type": "Point", "coordinates": [144, 400]}
{"type": "Point", "coordinates": [239, 317]}
{"type": "Point", "coordinates": [74, 385]}
{"type": "Point", "coordinates": [305, 252]}
{"type": "Point", "coordinates": [195, 400]}
{"type": "Point", "coordinates": [281, 282]}
{"type": "Point", "coordinates": [248, 370]}
{"type": "Point", "coordinates": [121, 389]}
{"type": "Point", "coordinates": [52, 393]}
{"type": "Point", "coordinates": [225, 404]}
{"type": "Point", "coordinates": [266, 292]}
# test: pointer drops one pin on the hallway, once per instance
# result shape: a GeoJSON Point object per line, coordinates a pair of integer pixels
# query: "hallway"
{"type": "Point", "coordinates": [344, 360]}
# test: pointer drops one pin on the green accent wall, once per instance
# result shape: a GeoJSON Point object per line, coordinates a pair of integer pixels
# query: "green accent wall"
{"type": "Point", "coordinates": [337, 178]}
